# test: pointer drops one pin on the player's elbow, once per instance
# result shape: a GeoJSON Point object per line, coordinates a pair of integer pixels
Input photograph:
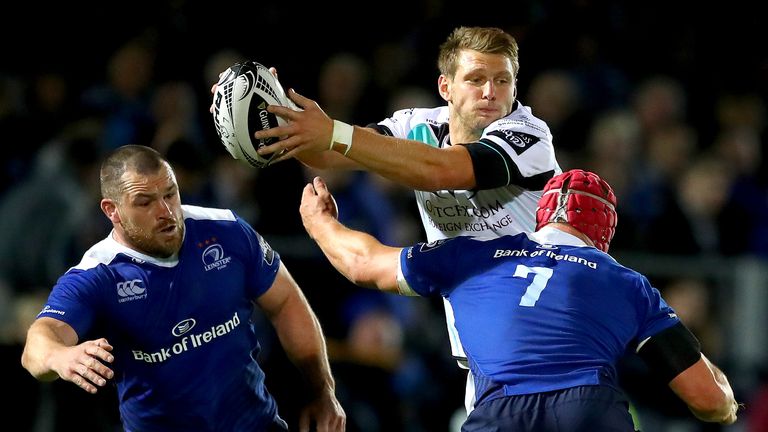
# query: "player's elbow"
{"type": "Point", "coordinates": [366, 270]}
{"type": "Point", "coordinates": [444, 175]}
{"type": "Point", "coordinates": [31, 365]}
{"type": "Point", "coordinates": [453, 179]}
{"type": "Point", "coordinates": [46, 377]}
{"type": "Point", "coordinates": [27, 361]}
{"type": "Point", "coordinates": [357, 270]}
{"type": "Point", "coordinates": [441, 169]}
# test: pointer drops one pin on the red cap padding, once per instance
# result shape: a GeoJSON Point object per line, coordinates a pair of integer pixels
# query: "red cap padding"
{"type": "Point", "coordinates": [583, 200]}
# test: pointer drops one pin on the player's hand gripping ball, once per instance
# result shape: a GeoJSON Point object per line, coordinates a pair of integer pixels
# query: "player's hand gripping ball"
{"type": "Point", "coordinates": [240, 109]}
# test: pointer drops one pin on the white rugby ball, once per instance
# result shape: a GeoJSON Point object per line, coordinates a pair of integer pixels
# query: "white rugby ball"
{"type": "Point", "coordinates": [240, 109]}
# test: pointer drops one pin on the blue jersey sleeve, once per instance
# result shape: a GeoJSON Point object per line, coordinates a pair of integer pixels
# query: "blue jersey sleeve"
{"type": "Point", "coordinates": [264, 261]}
{"type": "Point", "coordinates": [74, 300]}
{"type": "Point", "coordinates": [656, 315]}
{"type": "Point", "coordinates": [429, 268]}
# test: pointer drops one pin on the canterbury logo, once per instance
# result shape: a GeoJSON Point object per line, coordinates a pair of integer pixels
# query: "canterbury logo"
{"type": "Point", "coordinates": [130, 288]}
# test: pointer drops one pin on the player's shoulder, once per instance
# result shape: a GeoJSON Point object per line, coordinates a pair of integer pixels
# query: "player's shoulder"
{"type": "Point", "coordinates": [207, 213]}
{"type": "Point", "coordinates": [103, 252]}
{"type": "Point", "coordinates": [522, 119]}
{"type": "Point", "coordinates": [203, 219]}
{"type": "Point", "coordinates": [520, 131]}
{"type": "Point", "coordinates": [465, 242]}
{"type": "Point", "coordinates": [108, 254]}
{"type": "Point", "coordinates": [610, 268]}
{"type": "Point", "coordinates": [201, 223]}
{"type": "Point", "coordinates": [435, 115]}
{"type": "Point", "coordinates": [622, 270]}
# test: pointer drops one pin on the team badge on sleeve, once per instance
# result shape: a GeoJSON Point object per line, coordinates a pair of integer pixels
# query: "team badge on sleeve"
{"type": "Point", "coordinates": [520, 141]}
{"type": "Point", "coordinates": [267, 251]}
{"type": "Point", "coordinates": [432, 245]}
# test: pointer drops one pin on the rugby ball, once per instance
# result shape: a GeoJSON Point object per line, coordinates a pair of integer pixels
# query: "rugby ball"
{"type": "Point", "coordinates": [240, 108]}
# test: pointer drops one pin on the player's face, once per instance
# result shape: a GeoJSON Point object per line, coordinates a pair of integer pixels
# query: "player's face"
{"type": "Point", "coordinates": [481, 92]}
{"type": "Point", "coordinates": [150, 212]}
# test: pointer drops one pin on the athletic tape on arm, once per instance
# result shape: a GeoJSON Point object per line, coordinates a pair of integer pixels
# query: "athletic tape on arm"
{"type": "Point", "coordinates": [342, 134]}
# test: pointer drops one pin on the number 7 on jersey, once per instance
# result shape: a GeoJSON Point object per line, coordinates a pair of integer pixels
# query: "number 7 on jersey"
{"type": "Point", "coordinates": [540, 279]}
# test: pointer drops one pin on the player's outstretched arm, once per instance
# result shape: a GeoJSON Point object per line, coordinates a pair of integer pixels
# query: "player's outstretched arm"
{"type": "Point", "coordinates": [358, 256]}
{"type": "Point", "coordinates": [413, 164]}
{"type": "Point", "coordinates": [310, 132]}
{"type": "Point", "coordinates": [51, 351]}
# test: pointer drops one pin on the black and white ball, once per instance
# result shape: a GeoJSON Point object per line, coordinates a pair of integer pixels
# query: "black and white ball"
{"type": "Point", "coordinates": [240, 109]}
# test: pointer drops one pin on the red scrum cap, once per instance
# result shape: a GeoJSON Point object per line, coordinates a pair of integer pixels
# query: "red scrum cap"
{"type": "Point", "coordinates": [583, 200]}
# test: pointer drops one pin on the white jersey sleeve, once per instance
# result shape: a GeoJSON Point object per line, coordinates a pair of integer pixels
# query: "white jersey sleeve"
{"type": "Point", "coordinates": [514, 150]}
{"type": "Point", "coordinates": [428, 125]}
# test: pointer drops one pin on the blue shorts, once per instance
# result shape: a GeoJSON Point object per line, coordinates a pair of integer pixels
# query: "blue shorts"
{"type": "Point", "coordinates": [577, 409]}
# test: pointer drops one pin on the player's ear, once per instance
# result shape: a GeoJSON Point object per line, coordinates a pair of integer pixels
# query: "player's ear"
{"type": "Point", "coordinates": [444, 87]}
{"type": "Point", "coordinates": [109, 207]}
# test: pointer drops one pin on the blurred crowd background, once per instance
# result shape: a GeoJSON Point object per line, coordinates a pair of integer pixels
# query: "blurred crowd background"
{"type": "Point", "coordinates": [666, 100]}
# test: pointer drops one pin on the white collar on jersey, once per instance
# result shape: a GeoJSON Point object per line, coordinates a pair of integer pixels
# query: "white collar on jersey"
{"type": "Point", "coordinates": [551, 235]}
{"type": "Point", "coordinates": [171, 261]}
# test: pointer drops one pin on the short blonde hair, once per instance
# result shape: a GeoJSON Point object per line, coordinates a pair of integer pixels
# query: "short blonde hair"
{"type": "Point", "coordinates": [488, 40]}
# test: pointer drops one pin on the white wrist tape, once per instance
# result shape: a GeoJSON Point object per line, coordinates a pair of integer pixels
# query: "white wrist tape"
{"type": "Point", "coordinates": [342, 134]}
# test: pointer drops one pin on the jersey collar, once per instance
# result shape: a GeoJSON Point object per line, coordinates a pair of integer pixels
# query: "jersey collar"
{"type": "Point", "coordinates": [171, 261]}
{"type": "Point", "coordinates": [554, 236]}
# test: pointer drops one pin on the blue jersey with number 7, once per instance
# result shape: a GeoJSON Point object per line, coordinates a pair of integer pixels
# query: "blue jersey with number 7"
{"type": "Point", "coordinates": [538, 312]}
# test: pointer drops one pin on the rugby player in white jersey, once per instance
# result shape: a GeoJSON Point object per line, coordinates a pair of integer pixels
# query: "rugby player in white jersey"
{"type": "Point", "coordinates": [486, 157]}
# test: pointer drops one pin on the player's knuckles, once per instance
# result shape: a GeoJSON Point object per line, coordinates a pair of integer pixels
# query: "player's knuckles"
{"type": "Point", "coordinates": [80, 369]}
{"type": "Point", "coordinates": [97, 379]}
{"type": "Point", "coordinates": [91, 377]}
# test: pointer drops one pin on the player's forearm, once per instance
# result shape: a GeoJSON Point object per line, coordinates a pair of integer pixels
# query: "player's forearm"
{"type": "Point", "coordinates": [327, 160]}
{"type": "Point", "coordinates": [356, 255]}
{"type": "Point", "coordinates": [317, 372]}
{"type": "Point", "coordinates": [410, 163]}
{"type": "Point", "coordinates": [42, 342]}
{"type": "Point", "coordinates": [724, 411]}
{"type": "Point", "coordinates": [706, 391]}
{"type": "Point", "coordinates": [302, 339]}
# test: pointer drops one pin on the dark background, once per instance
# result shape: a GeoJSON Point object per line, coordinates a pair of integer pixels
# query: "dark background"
{"type": "Point", "coordinates": [611, 46]}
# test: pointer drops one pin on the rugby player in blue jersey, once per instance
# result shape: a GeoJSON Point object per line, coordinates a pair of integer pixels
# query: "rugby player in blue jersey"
{"type": "Point", "coordinates": [162, 307]}
{"type": "Point", "coordinates": [544, 317]}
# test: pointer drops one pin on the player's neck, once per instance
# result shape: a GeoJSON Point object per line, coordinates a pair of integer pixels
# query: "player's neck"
{"type": "Point", "coordinates": [572, 231]}
{"type": "Point", "coordinates": [460, 134]}
{"type": "Point", "coordinates": [459, 130]}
